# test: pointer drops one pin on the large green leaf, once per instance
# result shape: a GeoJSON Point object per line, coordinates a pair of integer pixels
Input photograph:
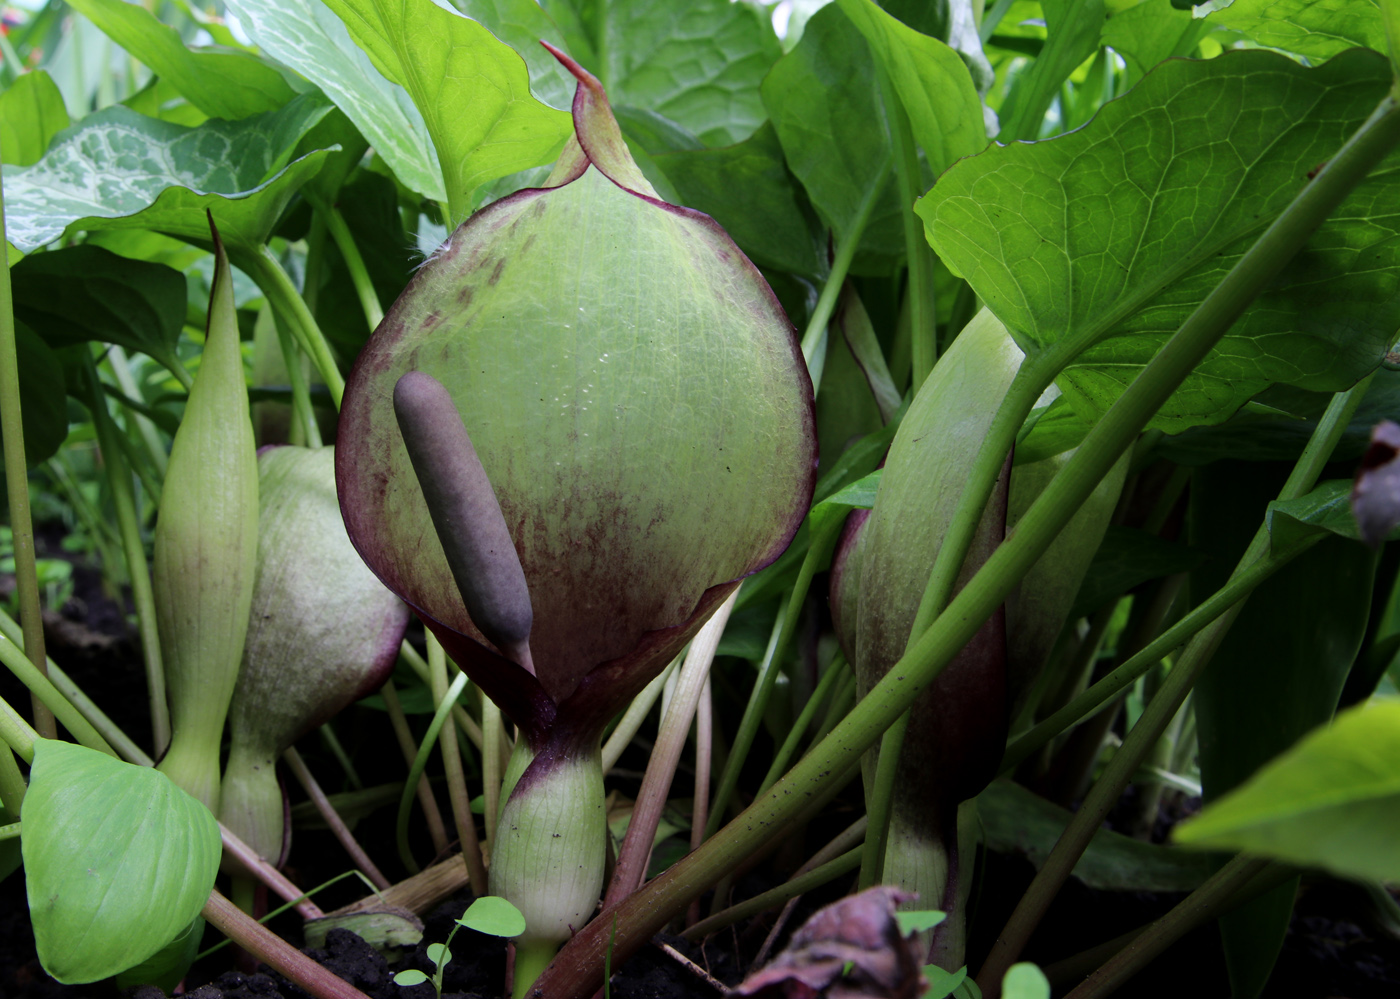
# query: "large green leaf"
{"type": "Point", "coordinates": [1149, 32]}
{"type": "Point", "coordinates": [1318, 29]}
{"type": "Point", "coordinates": [307, 36]}
{"type": "Point", "coordinates": [1279, 422]}
{"type": "Point", "coordinates": [230, 84]}
{"type": "Point", "coordinates": [933, 83]}
{"type": "Point", "coordinates": [523, 24]}
{"type": "Point", "coordinates": [31, 114]}
{"type": "Point", "coordinates": [747, 189]}
{"type": "Point", "coordinates": [698, 63]}
{"type": "Point", "coordinates": [824, 99]}
{"type": "Point", "coordinates": [116, 169]}
{"type": "Point", "coordinates": [1110, 236]}
{"type": "Point", "coordinates": [1072, 29]}
{"type": "Point", "coordinates": [472, 90]}
{"type": "Point", "coordinates": [1277, 673]}
{"type": "Point", "coordinates": [43, 397]}
{"type": "Point", "coordinates": [82, 293]}
{"type": "Point", "coordinates": [117, 859]}
{"type": "Point", "coordinates": [1332, 801]}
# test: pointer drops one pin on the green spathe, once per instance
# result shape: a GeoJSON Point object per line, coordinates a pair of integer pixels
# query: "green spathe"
{"type": "Point", "coordinates": [206, 544]}
{"type": "Point", "coordinates": [323, 632]}
{"type": "Point", "coordinates": [118, 861]}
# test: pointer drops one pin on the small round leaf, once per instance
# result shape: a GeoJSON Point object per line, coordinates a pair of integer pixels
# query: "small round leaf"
{"type": "Point", "coordinates": [495, 916]}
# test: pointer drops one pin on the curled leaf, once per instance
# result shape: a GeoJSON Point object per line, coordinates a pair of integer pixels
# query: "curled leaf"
{"type": "Point", "coordinates": [850, 949]}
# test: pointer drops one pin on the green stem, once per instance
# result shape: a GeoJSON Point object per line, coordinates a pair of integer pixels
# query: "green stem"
{"type": "Point", "coordinates": [1157, 715]}
{"type": "Point", "coordinates": [150, 437]}
{"type": "Point", "coordinates": [1240, 585]}
{"type": "Point", "coordinates": [632, 718]}
{"type": "Point", "coordinates": [18, 734]}
{"type": "Point", "coordinates": [138, 572]}
{"type": "Point", "coordinates": [574, 975]}
{"type": "Point", "coordinates": [12, 786]}
{"type": "Point", "coordinates": [817, 552]}
{"type": "Point", "coordinates": [332, 742]}
{"type": "Point", "coordinates": [922, 314]}
{"type": "Point", "coordinates": [452, 765]}
{"type": "Point", "coordinates": [355, 263]}
{"type": "Point", "coordinates": [17, 489]}
{"type": "Point", "coordinates": [530, 960]}
{"type": "Point", "coordinates": [420, 761]}
{"type": "Point", "coordinates": [840, 267]}
{"type": "Point", "coordinates": [829, 679]}
{"type": "Point", "coordinates": [799, 885]}
{"type": "Point", "coordinates": [10, 831]}
{"type": "Point", "coordinates": [665, 755]}
{"type": "Point", "coordinates": [1215, 896]}
{"type": "Point", "coordinates": [115, 737]}
{"type": "Point", "coordinates": [419, 665]}
{"type": "Point", "coordinates": [436, 830]}
{"type": "Point", "coordinates": [1037, 371]}
{"type": "Point", "coordinates": [301, 391]}
{"type": "Point", "coordinates": [493, 764]}
{"type": "Point", "coordinates": [47, 694]}
{"type": "Point", "coordinates": [879, 804]}
{"type": "Point", "coordinates": [292, 313]}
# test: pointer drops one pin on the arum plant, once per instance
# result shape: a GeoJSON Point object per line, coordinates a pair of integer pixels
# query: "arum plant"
{"type": "Point", "coordinates": [948, 747]}
{"type": "Point", "coordinates": [205, 549]}
{"type": "Point", "coordinates": [584, 422]}
{"type": "Point", "coordinates": [323, 632]}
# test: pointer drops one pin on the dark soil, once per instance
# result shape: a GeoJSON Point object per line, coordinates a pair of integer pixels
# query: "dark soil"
{"type": "Point", "coordinates": [1337, 948]}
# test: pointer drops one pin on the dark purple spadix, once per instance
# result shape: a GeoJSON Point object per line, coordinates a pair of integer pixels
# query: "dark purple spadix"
{"type": "Point", "coordinates": [475, 540]}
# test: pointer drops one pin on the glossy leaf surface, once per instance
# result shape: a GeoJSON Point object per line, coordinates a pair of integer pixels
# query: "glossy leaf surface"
{"type": "Point", "coordinates": [83, 293]}
{"type": "Point", "coordinates": [698, 63]}
{"type": "Point", "coordinates": [824, 99]}
{"type": "Point", "coordinates": [932, 81]}
{"type": "Point", "coordinates": [118, 169]}
{"type": "Point", "coordinates": [1111, 235]}
{"type": "Point", "coordinates": [229, 84]}
{"type": "Point", "coordinates": [472, 90]}
{"type": "Point", "coordinates": [31, 114]}
{"type": "Point", "coordinates": [118, 861]}
{"type": "Point", "coordinates": [1318, 29]}
{"type": "Point", "coordinates": [747, 189]}
{"type": "Point", "coordinates": [307, 36]}
{"type": "Point", "coordinates": [1332, 801]}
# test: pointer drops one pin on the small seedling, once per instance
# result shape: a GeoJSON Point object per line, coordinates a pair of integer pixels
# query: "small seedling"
{"type": "Point", "coordinates": [487, 914]}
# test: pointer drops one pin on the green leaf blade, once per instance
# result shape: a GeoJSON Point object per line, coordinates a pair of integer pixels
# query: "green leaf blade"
{"type": "Point", "coordinates": [118, 861]}
{"type": "Point", "coordinates": [471, 89]}
{"type": "Point", "coordinates": [1095, 238]}
{"type": "Point", "coordinates": [228, 85]}
{"type": "Point", "coordinates": [119, 169]}
{"type": "Point", "coordinates": [1332, 801]}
